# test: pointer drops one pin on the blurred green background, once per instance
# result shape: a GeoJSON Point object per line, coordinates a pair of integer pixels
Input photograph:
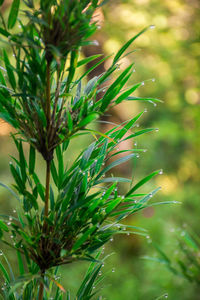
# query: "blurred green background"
{"type": "Point", "coordinates": [169, 54]}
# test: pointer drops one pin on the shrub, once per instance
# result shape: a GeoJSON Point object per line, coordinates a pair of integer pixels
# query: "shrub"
{"type": "Point", "coordinates": [48, 102]}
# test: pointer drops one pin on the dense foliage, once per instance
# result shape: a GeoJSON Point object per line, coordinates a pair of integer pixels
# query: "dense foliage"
{"type": "Point", "coordinates": [78, 209]}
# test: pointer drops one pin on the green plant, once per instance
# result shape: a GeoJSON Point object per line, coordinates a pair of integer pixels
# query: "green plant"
{"type": "Point", "coordinates": [48, 102]}
{"type": "Point", "coordinates": [186, 259]}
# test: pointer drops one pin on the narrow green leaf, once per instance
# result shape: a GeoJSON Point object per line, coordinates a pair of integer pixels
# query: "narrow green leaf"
{"type": "Point", "coordinates": [115, 87]}
{"type": "Point", "coordinates": [54, 173]}
{"type": "Point", "coordinates": [87, 60]}
{"type": "Point", "coordinates": [124, 47]}
{"type": "Point", "coordinates": [116, 163]}
{"type": "Point", "coordinates": [112, 179]}
{"type": "Point", "coordinates": [88, 119]}
{"type": "Point", "coordinates": [5, 273]}
{"type": "Point", "coordinates": [112, 205]}
{"type": "Point", "coordinates": [151, 100]}
{"type": "Point", "coordinates": [9, 70]}
{"type": "Point", "coordinates": [22, 162]}
{"type": "Point", "coordinates": [13, 14]}
{"type": "Point", "coordinates": [4, 32]}
{"type": "Point", "coordinates": [83, 238]}
{"type": "Point", "coordinates": [140, 132]}
{"type": "Point", "coordinates": [3, 226]}
{"type": "Point", "coordinates": [142, 182]}
{"type": "Point", "coordinates": [32, 155]}
{"type": "Point", "coordinates": [20, 263]}
{"type": "Point", "coordinates": [60, 165]}
{"type": "Point", "coordinates": [92, 68]}
{"type": "Point", "coordinates": [10, 190]}
{"type": "Point", "coordinates": [127, 93]}
{"type": "Point", "coordinates": [69, 121]}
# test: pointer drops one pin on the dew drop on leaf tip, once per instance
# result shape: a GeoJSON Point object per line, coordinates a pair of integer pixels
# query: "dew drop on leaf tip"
{"type": "Point", "coordinates": [152, 26]}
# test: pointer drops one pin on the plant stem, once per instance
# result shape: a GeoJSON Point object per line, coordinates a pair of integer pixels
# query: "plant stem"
{"type": "Point", "coordinates": [48, 162]}
{"type": "Point", "coordinates": [48, 96]}
{"type": "Point", "coordinates": [46, 208]}
{"type": "Point", "coordinates": [41, 290]}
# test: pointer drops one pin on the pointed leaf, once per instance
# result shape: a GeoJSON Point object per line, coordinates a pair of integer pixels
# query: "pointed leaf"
{"type": "Point", "coordinates": [142, 182]}
{"type": "Point", "coordinates": [13, 14]}
{"type": "Point", "coordinates": [123, 49]}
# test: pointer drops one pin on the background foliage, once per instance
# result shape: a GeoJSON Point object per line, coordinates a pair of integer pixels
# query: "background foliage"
{"type": "Point", "coordinates": [170, 54]}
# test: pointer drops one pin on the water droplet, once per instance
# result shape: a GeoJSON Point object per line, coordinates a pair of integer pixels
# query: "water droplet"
{"type": "Point", "coordinates": [135, 144]}
{"type": "Point", "coordinates": [3, 288]}
{"type": "Point", "coordinates": [103, 164]}
{"type": "Point", "coordinates": [94, 287]}
{"type": "Point", "coordinates": [98, 26]}
{"type": "Point", "coordinates": [8, 223]}
{"type": "Point", "coordinates": [145, 150]}
{"type": "Point", "coordinates": [156, 129]}
{"type": "Point", "coordinates": [166, 296]}
{"type": "Point", "coordinates": [83, 173]}
{"type": "Point", "coordinates": [161, 172]}
{"type": "Point", "coordinates": [137, 125]}
{"type": "Point", "coordinates": [115, 189]}
{"type": "Point", "coordinates": [133, 70]}
{"type": "Point", "coordinates": [104, 90]}
{"type": "Point", "coordinates": [123, 197]}
{"type": "Point", "coordinates": [118, 67]}
{"type": "Point", "coordinates": [12, 236]}
{"type": "Point", "coordinates": [153, 80]}
{"type": "Point", "coordinates": [155, 104]}
{"type": "Point", "coordinates": [100, 273]}
{"type": "Point", "coordinates": [10, 218]}
{"type": "Point", "coordinates": [111, 240]}
{"type": "Point", "coordinates": [19, 26]}
{"type": "Point", "coordinates": [148, 237]}
{"type": "Point", "coordinates": [1, 253]}
{"type": "Point", "coordinates": [96, 161]}
{"type": "Point", "coordinates": [145, 110]}
{"type": "Point", "coordinates": [95, 43]}
{"type": "Point", "coordinates": [152, 26]}
{"type": "Point", "coordinates": [137, 156]}
{"type": "Point", "coordinates": [142, 83]}
{"type": "Point", "coordinates": [150, 195]}
{"type": "Point", "coordinates": [113, 270]}
{"type": "Point", "coordinates": [103, 265]}
{"type": "Point", "coordinates": [14, 210]}
{"type": "Point", "coordinates": [103, 175]}
{"type": "Point", "coordinates": [128, 233]}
